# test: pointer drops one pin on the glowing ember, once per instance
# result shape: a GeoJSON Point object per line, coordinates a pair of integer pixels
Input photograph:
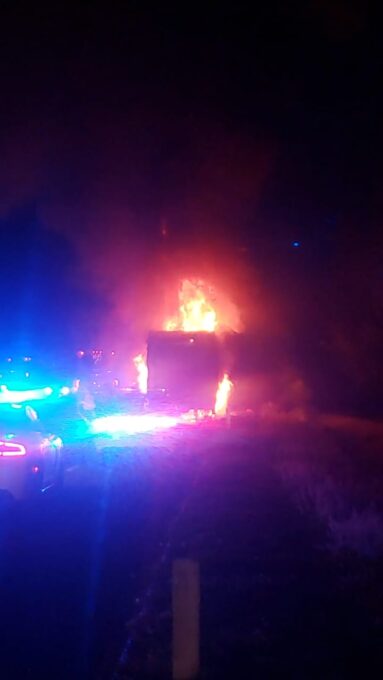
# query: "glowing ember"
{"type": "Point", "coordinates": [195, 312]}
{"type": "Point", "coordinates": [222, 396]}
{"type": "Point", "coordinates": [142, 373]}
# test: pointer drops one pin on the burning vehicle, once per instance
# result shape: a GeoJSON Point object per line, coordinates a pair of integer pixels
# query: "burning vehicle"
{"type": "Point", "coordinates": [186, 360]}
{"type": "Point", "coordinates": [182, 375]}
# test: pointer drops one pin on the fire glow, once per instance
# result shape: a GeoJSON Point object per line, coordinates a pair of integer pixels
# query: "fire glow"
{"type": "Point", "coordinates": [142, 373]}
{"type": "Point", "coordinates": [19, 396]}
{"type": "Point", "coordinates": [222, 396]}
{"type": "Point", "coordinates": [195, 312]}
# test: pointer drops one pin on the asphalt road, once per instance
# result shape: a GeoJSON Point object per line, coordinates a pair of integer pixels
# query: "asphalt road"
{"type": "Point", "coordinates": [290, 585]}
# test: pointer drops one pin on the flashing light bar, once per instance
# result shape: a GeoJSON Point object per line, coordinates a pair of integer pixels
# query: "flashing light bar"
{"type": "Point", "coordinates": [19, 396]}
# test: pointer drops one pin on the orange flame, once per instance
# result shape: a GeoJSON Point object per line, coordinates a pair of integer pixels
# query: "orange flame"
{"type": "Point", "coordinates": [222, 396]}
{"type": "Point", "coordinates": [195, 312]}
{"type": "Point", "coordinates": [142, 373]}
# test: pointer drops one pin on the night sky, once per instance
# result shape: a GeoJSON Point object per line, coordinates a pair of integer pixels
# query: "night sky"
{"type": "Point", "coordinates": [235, 132]}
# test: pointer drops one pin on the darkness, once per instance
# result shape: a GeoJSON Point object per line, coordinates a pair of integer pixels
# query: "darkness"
{"type": "Point", "coordinates": [249, 129]}
{"type": "Point", "coordinates": [41, 306]}
{"type": "Point", "coordinates": [146, 147]}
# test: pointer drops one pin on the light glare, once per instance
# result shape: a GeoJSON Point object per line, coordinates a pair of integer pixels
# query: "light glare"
{"type": "Point", "coordinates": [132, 424]}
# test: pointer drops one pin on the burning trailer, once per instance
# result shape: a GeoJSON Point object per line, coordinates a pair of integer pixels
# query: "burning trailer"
{"type": "Point", "coordinates": [185, 366]}
{"type": "Point", "coordinates": [187, 362]}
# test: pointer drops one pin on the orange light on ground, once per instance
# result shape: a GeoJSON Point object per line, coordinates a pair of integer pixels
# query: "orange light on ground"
{"type": "Point", "coordinates": [222, 396]}
{"type": "Point", "coordinates": [142, 373]}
